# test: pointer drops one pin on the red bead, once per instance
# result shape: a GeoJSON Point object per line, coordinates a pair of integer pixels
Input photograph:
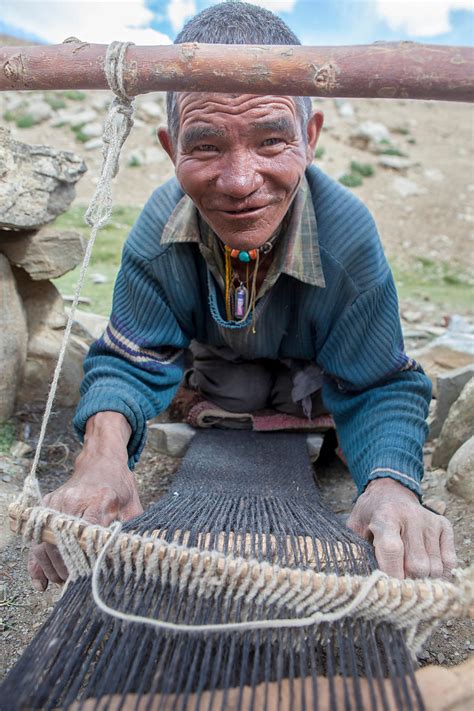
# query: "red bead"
{"type": "Point", "coordinates": [253, 254]}
{"type": "Point", "coordinates": [234, 253]}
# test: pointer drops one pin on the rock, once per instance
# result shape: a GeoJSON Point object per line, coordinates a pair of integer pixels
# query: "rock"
{"type": "Point", "coordinates": [314, 442]}
{"type": "Point", "coordinates": [20, 449]}
{"type": "Point", "coordinates": [46, 320]}
{"type": "Point", "coordinates": [457, 428]}
{"type": "Point", "coordinates": [151, 110]}
{"type": "Point", "coordinates": [38, 110]}
{"type": "Point", "coordinates": [395, 162]}
{"type": "Point", "coordinates": [92, 325]}
{"type": "Point", "coordinates": [45, 254]}
{"type": "Point", "coordinates": [345, 109]}
{"type": "Point", "coordinates": [461, 471]}
{"type": "Point", "coordinates": [433, 174]}
{"type": "Point", "coordinates": [92, 130]}
{"type": "Point", "coordinates": [170, 438]}
{"type": "Point", "coordinates": [407, 188]}
{"type": "Point", "coordinates": [99, 278]}
{"type": "Point", "coordinates": [454, 349]}
{"type": "Point", "coordinates": [80, 119]}
{"type": "Point", "coordinates": [437, 505]}
{"type": "Point", "coordinates": [449, 387]}
{"type": "Point", "coordinates": [36, 182]}
{"type": "Point", "coordinates": [93, 144]}
{"type": "Point", "coordinates": [370, 132]}
{"type": "Point", "coordinates": [13, 339]}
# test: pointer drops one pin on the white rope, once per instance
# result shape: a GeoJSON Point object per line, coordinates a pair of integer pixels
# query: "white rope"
{"type": "Point", "coordinates": [117, 126]}
{"type": "Point", "coordinates": [334, 600]}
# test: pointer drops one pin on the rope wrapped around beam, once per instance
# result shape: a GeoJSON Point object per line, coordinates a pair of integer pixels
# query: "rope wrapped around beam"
{"type": "Point", "coordinates": [390, 70]}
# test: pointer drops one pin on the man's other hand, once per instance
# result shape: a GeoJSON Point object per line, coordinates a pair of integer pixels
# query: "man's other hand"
{"type": "Point", "coordinates": [409, 540]}
{"type": "Point", "coordinates": [102, 489]}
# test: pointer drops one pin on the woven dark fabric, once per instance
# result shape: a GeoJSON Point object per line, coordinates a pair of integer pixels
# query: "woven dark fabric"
{"type": "Point", "coordinates": [260, 486]}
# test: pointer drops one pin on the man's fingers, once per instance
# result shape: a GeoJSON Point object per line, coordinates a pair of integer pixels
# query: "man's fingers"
{"type": "Point", "coordinates": [433, 549]}
{"type": "Point", "coordinates": [416, 558]}
{"type": "Point", "coordinates": [447, 549]}
{"type": "Point", "coordinates": [38, 578]}
{"type": "Point", "coordinates": [50, 562]}
{"type": "Point", "coordinates": [389, 550]}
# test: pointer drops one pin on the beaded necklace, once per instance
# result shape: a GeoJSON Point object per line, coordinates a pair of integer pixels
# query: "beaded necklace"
{"type": "Point", "coordinates": [240, 300]}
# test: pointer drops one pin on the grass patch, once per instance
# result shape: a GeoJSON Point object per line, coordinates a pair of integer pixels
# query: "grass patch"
{"type": "Point", "coordinates": [7, 436]}
{"type": "Point", "coordinates": [74, 95]}
{"type": "Point", "coordinates": [392, 151]}
{"type": "Point", "coordinates": [9, 116]}
{"type": "Point", "coordinates": [25, 121]}
{"type": "Point", "coordinates": [319, 152]}
{"type": "Point", "coordinates": [105, 256]}
{"type": "Point", "coordinates": [55, 101]}
{"type": "Point", "coordinates": [438, 282]}
{"type": "Point", "coordinates": [366, 170]}
{"type": "Point", "coordinates": [351, 180]}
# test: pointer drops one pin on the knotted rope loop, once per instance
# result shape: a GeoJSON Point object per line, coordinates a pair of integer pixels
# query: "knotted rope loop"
{"type": "Point", "coordinates": [117, 126]}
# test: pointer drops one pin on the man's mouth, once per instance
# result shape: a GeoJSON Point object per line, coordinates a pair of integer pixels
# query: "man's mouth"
{"type": "Point", "coordinates": [244, 210]}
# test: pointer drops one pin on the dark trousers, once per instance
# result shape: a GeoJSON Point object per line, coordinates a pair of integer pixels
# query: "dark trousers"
{"type": "Point", "coordinates": [239, 385]}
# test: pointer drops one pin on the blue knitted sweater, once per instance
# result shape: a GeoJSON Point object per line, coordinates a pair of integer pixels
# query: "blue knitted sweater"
{"type": "Point", "coordinates": [165, 296]}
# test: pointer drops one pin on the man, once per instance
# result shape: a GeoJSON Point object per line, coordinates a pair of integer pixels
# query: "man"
{"type": "Point", "coordinates": [274, 274]}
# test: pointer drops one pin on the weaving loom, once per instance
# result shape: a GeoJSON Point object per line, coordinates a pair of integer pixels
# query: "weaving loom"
{"type": "Point", "coordinates": [237, 590]}
{"type": "Point", "coordinates": [250, 496]}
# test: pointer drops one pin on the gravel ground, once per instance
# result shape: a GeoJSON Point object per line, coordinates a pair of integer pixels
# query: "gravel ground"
{"type": "Point", "coordinates": [23, 610]}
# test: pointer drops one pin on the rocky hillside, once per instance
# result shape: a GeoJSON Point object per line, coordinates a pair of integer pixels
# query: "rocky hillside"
{"type": "Point", "coordinates": [411, 162]}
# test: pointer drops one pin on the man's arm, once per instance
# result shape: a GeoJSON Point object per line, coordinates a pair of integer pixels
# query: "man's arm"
{"type": "Point", "coordinates": [131, 374]}
{"type": "Point", "coordinates": [102, 489]}
{"type": "Point", "coordinates": [379, 399]}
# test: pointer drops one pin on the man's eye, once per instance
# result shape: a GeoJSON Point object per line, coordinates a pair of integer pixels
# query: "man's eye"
{"type": "Point", "coordinates": [272, 141]}
{"type": "Point", "coordinates": [205, 148]}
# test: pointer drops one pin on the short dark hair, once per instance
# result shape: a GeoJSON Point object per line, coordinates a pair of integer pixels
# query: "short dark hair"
{"type": "Point", "coordinates": [235, 22]}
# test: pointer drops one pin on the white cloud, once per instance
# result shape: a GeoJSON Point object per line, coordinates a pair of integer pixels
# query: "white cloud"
{"type": "Point", "coordinates": [276, 5]}
{"type": "Point", "coordinates": [95, 21]}
{"type": "Point", "coordinates": [179, 11]}
{"type": "Point", "coordinates": [420, 18]}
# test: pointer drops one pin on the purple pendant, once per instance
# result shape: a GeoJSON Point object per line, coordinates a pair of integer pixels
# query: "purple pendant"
{"type": "Point", "coordinates": [240, 302]}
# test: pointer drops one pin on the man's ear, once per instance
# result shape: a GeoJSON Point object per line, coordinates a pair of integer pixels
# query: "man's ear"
{"type": "Point", "coordinates": [166, 142]}
{"type": "Point", "coordinates": [314, 127]}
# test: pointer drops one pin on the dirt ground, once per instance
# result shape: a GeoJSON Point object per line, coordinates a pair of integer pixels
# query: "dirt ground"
{"type": "Point", "coordinates": [23, 610]}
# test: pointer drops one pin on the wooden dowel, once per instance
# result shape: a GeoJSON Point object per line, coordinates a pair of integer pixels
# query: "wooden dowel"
{"type": "Point", "coordinates": [405, 70]}
{"type": "Point", "coordinates": [407, 588]}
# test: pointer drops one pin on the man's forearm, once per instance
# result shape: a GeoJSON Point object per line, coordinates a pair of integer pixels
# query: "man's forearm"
{"type": "Point", "coordinates": [107, 433]}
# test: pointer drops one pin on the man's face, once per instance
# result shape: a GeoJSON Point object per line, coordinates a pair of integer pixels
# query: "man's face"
{"type": "Point", "coordinates": [240, 159]}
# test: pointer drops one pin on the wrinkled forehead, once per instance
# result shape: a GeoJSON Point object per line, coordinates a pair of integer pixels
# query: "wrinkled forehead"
{"type": "Point", "coordinates": [214, 107]}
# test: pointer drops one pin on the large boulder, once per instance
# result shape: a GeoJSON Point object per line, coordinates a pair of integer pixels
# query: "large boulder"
{"type": "Point", "coordinates": [461, 471]}
{"type": "Point", "coordinates": [449, 387]}
{"type": "Point", "coordinates": [46, 320]}
{"type": "Point", "coordinates": [36, 182]}
{"type": "Point", "coordinates": [458, 427]}
{"type": "Point", "coordinates": [13, 340]}
{"type": "Point", "coordinates": [45, 254]}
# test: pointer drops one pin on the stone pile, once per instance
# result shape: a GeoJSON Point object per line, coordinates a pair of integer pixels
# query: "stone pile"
{"type": "Point", "coordinates": [37, 184]}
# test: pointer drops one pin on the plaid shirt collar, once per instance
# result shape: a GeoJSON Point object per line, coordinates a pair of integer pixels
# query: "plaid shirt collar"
{"type": "Point", "coordinates": [296, 250]}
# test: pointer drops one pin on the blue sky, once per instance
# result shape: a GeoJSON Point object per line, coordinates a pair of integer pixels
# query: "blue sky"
{"type": "Point", "coordinates": [316, 22]}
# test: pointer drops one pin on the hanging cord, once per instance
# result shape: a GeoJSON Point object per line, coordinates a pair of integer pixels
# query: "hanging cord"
{"type": "Point", "coordinates": [117, 126]}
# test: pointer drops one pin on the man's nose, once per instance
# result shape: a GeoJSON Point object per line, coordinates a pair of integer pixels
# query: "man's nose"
{"type": "Point", "coordinates": [238, 177]}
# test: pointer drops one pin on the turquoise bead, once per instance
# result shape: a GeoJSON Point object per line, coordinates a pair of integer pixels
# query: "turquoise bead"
{"type": "Point", "coordinates": [244, 257]}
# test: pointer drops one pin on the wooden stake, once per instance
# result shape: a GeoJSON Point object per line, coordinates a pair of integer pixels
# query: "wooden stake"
{"type": "Point", "coordinates": [389, 70]}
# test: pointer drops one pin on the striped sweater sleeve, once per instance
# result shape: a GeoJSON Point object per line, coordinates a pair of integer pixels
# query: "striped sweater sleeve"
{"type": "Point", "coordinates": [136, 366]}
{"type": "Point", "coordinates": [378, 396]}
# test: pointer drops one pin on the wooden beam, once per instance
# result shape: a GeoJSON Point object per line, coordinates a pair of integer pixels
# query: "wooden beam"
{"type": "Point", "coordinates": [394, 70]}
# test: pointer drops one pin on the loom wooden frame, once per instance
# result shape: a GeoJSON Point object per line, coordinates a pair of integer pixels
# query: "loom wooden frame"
{"type": "Point", "coordinates": [389, 70]}
{"type": "Point", "coordinates": [406, 588]}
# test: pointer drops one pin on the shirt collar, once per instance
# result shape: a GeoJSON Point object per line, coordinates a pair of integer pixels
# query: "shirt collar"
{"type": "Point", "coordinates": [296, 251]}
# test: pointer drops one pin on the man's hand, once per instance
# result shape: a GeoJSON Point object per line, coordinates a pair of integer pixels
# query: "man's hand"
{"type": "Point", "coordinates": [409, 540]}
{"type": "Point", "coordinates": [102, 489]}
